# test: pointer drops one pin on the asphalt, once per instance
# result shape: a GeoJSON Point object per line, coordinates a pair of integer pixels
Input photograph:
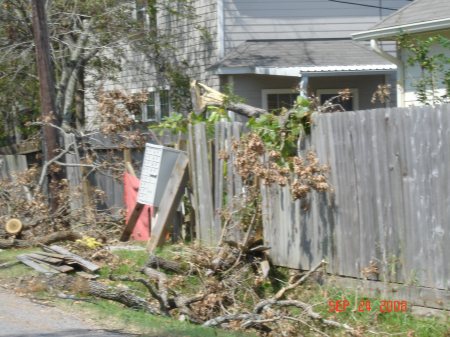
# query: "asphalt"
{"type": "Point", "coordinates": [20, 317]}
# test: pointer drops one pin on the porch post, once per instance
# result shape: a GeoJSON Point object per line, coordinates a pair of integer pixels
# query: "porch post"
{"type": "Point", "coordinates": [304, 85]}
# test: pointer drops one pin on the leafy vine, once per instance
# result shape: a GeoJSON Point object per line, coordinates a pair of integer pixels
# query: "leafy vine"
{"type": "Point", "coordinates": [434, 66]}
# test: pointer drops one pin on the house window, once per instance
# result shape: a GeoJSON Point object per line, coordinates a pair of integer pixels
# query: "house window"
{"type": "Point", "coordinates": [141, 12]}
{"type": "Point", "coordinates": [157, 107]}
{"type": "Point", "coordinates": [350, 104]}
{"type": "Point", "coordinates": [164, 103]}
{"type": "Point", "coordinates": [275, 99]}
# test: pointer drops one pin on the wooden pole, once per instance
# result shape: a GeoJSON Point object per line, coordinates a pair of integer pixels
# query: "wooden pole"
{"type": "Point", "coordinates": [132, 222]}
{"type": "Point", "coordinates": [50, 140]}
{"type": "Point", "coordinates": [170, 201]}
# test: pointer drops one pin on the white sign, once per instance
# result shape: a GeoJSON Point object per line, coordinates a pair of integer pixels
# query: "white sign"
{"type": "Point", "coordinates": [155, 173]}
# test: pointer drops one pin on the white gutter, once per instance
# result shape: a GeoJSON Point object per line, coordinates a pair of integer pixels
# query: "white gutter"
{"type": "Point", "coordinates": [311, 71]}
{"type": "Point", "coordinates": [400, 71]}
{"type": "Point", "coordinates": [417, 27]}
{"type": "Point", "coordinates": [220, 30]}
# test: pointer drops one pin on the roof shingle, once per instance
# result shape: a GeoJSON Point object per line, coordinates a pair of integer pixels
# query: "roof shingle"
{"type": "Point", "coordinates": [301, 53]}
{"type": "Point", "coordinates": [416, 12]}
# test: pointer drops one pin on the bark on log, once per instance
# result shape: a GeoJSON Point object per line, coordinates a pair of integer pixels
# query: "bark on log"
{"type": "Point", "coordinates": [162, 285]}
{"type": "Point", "coordinates": [120, 295]}
{"type": "Point", "coordinates": [43, 240]}
{"type": "Point", "coordinates": [242, 109]}
{"type": "Point", "coordinates": [158, 262]}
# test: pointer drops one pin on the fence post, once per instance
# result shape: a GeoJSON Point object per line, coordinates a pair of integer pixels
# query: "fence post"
{"type": "Point", "coordinates": [207, 231]}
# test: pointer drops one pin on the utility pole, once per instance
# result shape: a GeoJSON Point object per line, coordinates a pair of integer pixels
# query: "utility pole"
{"type": "Point", "coordinates": [50, 140]}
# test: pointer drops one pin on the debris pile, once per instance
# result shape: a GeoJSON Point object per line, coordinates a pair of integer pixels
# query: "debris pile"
{"type": "Point", "coordinates": [56, 259]}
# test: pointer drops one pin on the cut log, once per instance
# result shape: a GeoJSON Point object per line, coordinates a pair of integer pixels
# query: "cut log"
{"type": "Point", "coordinates": [43, 240]}
{"type": "Point", "coordinates": [158, 262]}
{"type": "Point", "coordinates": [13, 226]}
{"type": "Point", "coordinates": [125, 297]}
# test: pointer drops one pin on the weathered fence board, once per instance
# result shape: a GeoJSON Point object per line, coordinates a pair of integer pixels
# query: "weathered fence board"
{"type": "Point", "coordinates": [74, 175]}
{"type": "Point", "coordinates": [11, 165]}
{"type": "Point", "coordinates": [206, 229]}
{"type": "Point", "coordinates": [390, 203]}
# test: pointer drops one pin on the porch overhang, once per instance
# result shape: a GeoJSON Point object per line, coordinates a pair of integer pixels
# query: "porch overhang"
{"type": "Point", "coordinates": [310, 71]}
{"type": "Point", "coordinates": [295, 58]}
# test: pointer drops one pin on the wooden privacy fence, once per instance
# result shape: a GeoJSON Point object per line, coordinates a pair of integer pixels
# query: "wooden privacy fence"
{"type": "Point", "coordinates": [81, 189]}
{"type": "Point", "coordinates": [214, 181]}
{"type": "Point", "coordinates": [387, 217]}
{"type": "Point", "coordinates": [390, 204]}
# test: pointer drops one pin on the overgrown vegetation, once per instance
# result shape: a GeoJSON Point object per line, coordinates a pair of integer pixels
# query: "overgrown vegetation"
{"type": "Point", "coordinates": [430, 54]}
{"type": "Point", "coordinates": [237, 289]}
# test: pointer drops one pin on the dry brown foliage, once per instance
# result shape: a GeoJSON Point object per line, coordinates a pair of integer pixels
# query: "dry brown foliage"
{"type": "Point", "coordinates": [302, 174]}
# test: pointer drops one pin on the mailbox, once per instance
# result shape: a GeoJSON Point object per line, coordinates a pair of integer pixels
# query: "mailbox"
{"type": "Point", "coordinates": [157, 166]}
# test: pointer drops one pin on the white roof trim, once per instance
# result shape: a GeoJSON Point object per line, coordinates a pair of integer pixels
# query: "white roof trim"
{"type": "Point", "coordinates": [417, 27]}
{"type": "Point", "coordinates": [297, 71]}
{"type": "Point", "coordinates": [367, 67]}
{"type": "Point", "coordinates": [287, 71]}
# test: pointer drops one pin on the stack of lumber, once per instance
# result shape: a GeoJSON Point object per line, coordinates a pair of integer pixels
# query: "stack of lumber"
{"type": "Point", "coordinates": [55, 259]}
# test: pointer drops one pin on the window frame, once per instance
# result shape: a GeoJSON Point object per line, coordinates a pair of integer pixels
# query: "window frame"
{"type": "Point", "coordinates": [157, 103]}
{"type": "Point", "coordinates": [146, 17]}
{"type": "Point", "coordinates": [266, 92]}
{"type": "Point", "coordinates": [354, 91]}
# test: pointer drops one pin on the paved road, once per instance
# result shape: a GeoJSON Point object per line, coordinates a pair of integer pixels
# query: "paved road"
{"type": "Point", "coordinates": [19, 317]}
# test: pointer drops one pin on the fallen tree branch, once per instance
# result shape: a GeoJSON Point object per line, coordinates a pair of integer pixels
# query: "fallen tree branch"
{"type": "Point", "coordinates": [158, 262]}
{"type": "Point", "coordinates": [291, 286]}
{"type": "Point", "coordinates": [161, 278]}
{"type": "Point", "coordinates": [48, 163]}
{"type": "Point", "coordinates": [233, 317]}
{"type": "Point", "coordinates": [256, 318]}
{"type": "Point", "coordinates": [125, 297]}
{"type": "Point", "coordinates": [162, 302]}
{"type": "Point", "coordinates": [43, 240]}
{"type": "Point", "coordinates": [211, 97]}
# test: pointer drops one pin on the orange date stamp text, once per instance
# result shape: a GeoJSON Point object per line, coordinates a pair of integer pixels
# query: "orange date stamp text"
{"type": "Point", "coordinates": [384, 306]}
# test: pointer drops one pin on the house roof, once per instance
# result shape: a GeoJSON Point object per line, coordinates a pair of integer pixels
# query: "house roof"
{"type": "Point", "coordinates": [292, 57]}
{"type": "Point", "coordinates": [419, 16]}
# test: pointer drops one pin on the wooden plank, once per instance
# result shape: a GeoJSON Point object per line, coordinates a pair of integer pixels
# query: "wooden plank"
{"type": "Point", "coordinates": [444, 190]}
{"type": "Point", "coordinates": [132, 222]}
{"type": "Point", "coordinates": [193, 178]}
{"type": "Point", "coordinates": [218, 173]}
{"type": "Point", "coordinates": [85, 264]}
{"type": "Point", "coordinates": [46, 259]}
{"type": "Point", "coordinates": [39, 267]}
{"type": "Point", "coordinates": [208, 234]}
{"type": "Point", "coordinates": [170, 201]}
{"type": "Point", "coordinates": [54, 255]}
{"type": "Point", "coordinates": [74, 175]}
{"type": "Point", "coordinates": [63, 268]}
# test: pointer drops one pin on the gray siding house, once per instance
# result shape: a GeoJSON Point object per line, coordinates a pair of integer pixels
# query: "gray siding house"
{"type": "Point", "coordinates": [421, 19]}
{"type": "Point", "coordinates": [264, 49]}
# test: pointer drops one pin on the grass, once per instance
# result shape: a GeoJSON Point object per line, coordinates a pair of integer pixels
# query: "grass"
{"type": "Point", "coordinates": [150, 326]}
{"type": "Point", "coordinates": [18, 270]}
{"type": "Point", "coordinates": [371, 319]}
{"type": "Point", "coordinates": [131, 261]}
